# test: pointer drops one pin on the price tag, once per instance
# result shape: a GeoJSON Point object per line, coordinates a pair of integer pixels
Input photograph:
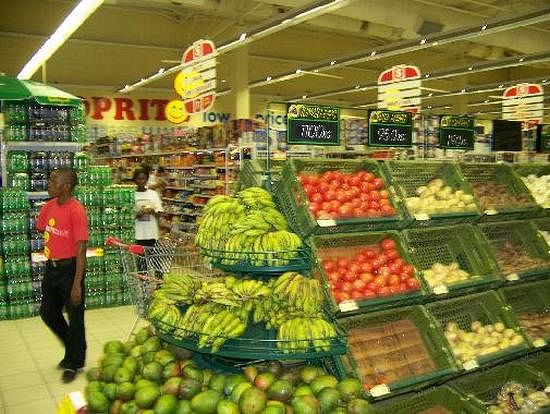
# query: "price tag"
{"type": "Point", "coordinates": [512, 277]}
{"type": "Point", "coordinates": [421, 217]}
{"type": "Point", "coordinates": [490, 212]}
{"type": "Point", "coordinates": [326, 223]}
{"type": "Point", "coordinates": [441, 290]}
{"type": "Point", "coordinates": [348, 306]}
{"type": "Point", "coordinates": [539, 343]}
{"type": "Point", "coordinates": [379, 390]}
{"type": "Point", "coordinates": [471, 364]}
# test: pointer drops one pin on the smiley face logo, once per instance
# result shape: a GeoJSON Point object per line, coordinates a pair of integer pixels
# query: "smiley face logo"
{"type": "Point", "coordinates": [51, 222]}
{"type": "Point", "coordinates": [175, 112]}
{"type": "Point", "coordinates": [187, 84]}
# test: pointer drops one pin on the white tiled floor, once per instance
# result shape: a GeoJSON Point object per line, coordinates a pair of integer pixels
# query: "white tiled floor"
{"type": "Point", "coordinates": [29, 380]}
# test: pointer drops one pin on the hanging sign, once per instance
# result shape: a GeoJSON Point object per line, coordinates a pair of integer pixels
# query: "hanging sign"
{"type": "Point", "coordinates": [390, 128]}
{"type": "Point", "coordinates": [523, 102]}
{"type": "Point", "coordinates": [544, 137]}
{"type": "Point", "coordinates": [196, 83]}
{"type": "Point", "coordinates": [313, 125]}
{"type": "Point", "coordinates": [456, 132]}
{"type": "Point", "coordinates": [399, 89]}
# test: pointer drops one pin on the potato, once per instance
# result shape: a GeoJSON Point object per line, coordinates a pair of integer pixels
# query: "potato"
{"type": "Point", "coordinates": [499, 327]}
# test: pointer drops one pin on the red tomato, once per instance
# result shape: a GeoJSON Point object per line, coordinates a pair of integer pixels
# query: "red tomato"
{"type": "Point", "coordinates": [314, 207]}
{"type": "Point", "coordinates": [317, 198]}
{"type": "Point", "coordinates": [309, 189]}
{"type": "Point", "coordinates": [366, 267]}
{"type": "Point", "coordinates": [403, 277]}
{"type": "Point", "coordinates": [384, 271]}
{"type": "Point", "coordinates": [326, 205]}
{"type": "Point", "coordinates": [346, 287]}
{"type": "Point", "coordinates": [357, 294]}
{"type": "Point", "coordinates": [384, 291]}
{"type": "Point", "coordinates": [403, 287]}
{"type": "Point", "coordinates": [385, 202]}
{"type": "Point", "coordinates": [376, 263]}
{"type": "Point", "coordinates": [349, 277]}
{"type": "Point", "coordinates": [393, 280]}
{"type": "Point", "coordinates": [394, 289]}
{"type": "Point", "coordinates": [367, 294]}
{"type": "Point", "coordinates": [329, 265]}
{"type": "Point", "coordinates": [345, 186]}
{"type": "Point", "coordinates": [333, 277]}
{"type": "Point", "coordinates": [369, 253]}
{"type": "Point", "coordinates": [374, 196]}
{"type": "Point", "coordinates": [371, 212]}
{"type": "Point", "coordinates": [341, 196]}
{"type": "Point", "coordinates": [396, 267]}
{"type": "Point", "coordinates": [374, 205]}
{"type": "Point", "coordinates": [368, 177]}
{"type": "Point", "coordinates": [384, 194]}
{"type": "Point", "coordinates": [366, 188]}
{"type": "Point", "coordinates": [378, 183]}
{"type": "Point", "coordinates": [364, 196]}
{"type": "Point", "coordinates": [335, 205]}
{"type": "Point", "coordinates": [413, 284]}
{"type": "Point", "coordinates": [360, 258]}
{"type": "Point", "coordinates": [354, 191]}
{"type": "Point", "coordinates": [373, 287]}
{"type": "Point", "coordinates": [354, 268]}
{"type": "Point", "coordinates": [355, 179]}
{"type": "Point", "coordinates": [387, 211]}
{"type": "Point", "coordinates": [359, 284]}
{"type": "Point", "coordinates": [342, 272]}
{"type": "Point", "coordinates": [345, 210]}
{"type": "Point", "coordinates": [366, 277]}
{"type": "Point", "coordinates": [387, 244]}
{"type": "Point", "coordinates": [323, 187]}
{"type": "Point", "coordinates": [323, 214]}
{"type": "Point", "coordinates": [391, 254]}
{"type": "Point", "coordinates": [341, 296]}
{"type": "Point", "coordinates": [408, 269]}
{"type": "Point", "coordinates": [380, 280]}
{"type": "Point", "coordinates": [330, 195]}
{"type": "Point", "coordinates": [342, 262]}
{"type": "Point", "coordinates": [356, 203]}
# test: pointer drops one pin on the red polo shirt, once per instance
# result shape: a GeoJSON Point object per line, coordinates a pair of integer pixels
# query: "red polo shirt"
{"type": "Point", "coordinates": [63, 225]}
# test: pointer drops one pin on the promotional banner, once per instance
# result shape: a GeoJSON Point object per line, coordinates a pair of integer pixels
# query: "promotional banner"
{"type": "Point", "coordinates": [523, 102]}
{"type": "Point", "coordinates": [399, 89]}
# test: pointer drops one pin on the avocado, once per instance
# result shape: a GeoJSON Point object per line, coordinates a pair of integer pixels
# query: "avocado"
{"type": "Point", "coordinates": [153, 371]}
{"type": "Point", "coordinates": [227, 407]}
{"type": "Point", "coordinates": [97, 402]}
{"type": "Point", "coordinates": [166, 404]}
{"type": "Point", "coordinates": [252, 401]}
{"type": "Point", "coordinates": [147, 396]}
{"type": "Point", "coordinates": [280, 390]}
{"type": "Point", "coordinates": [306, 404]}
{"type": "Point", "coordinates": [350, 388]}
{"type": "Point", "coordinates": [264, 380]}
{"type": "Point", "coordinates": [189, 387]}
{"type": "Point", "coordinates": [323, 381]}
{"type": "Point", "coordinates": [329, 399]}
{"type": "Point", "coordinates": [206, 402]}
{"type": "Point", "coordinates": [359, 406]}
{"type": "Point", "coordinates": [125, 391]}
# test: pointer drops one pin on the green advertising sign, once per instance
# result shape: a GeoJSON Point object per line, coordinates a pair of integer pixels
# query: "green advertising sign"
{"type": "Point", "coordinates": [456, 132]}
{"type": "Point", "coordinates": [390, 128]}
{"type": "Point", "coordinates": [313, 125]}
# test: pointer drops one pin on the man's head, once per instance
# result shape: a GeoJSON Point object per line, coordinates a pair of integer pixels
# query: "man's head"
{"type": "Point", "coordinates": [62, 182]}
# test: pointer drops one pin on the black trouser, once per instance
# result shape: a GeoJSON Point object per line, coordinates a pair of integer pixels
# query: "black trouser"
{"type": "Point", "coordinates": [56, 294]}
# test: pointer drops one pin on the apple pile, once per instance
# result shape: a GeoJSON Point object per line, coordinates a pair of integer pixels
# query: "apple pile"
{"type": "Point", "coordinates": [337, 195]}
{"type": "Point", "coordinates": [374, 271]}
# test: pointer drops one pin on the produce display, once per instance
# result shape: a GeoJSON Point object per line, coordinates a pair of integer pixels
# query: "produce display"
{"type": "Point", "coordinates": [513, 258]}
{"type": "Point", "coordinates": [540, 188]}
{"type": "Point", "coordinates": [441, 275]}
{"type": "Point", "coordinates": [369, 272]}
{"type": "Point", "coordinates": [480, 340]}
{"type": "Point", "coordinates": [535, 325]}
{"type": "Point", "coordinates": [436, 410]}
{"type": "Point", "coordinates": [221, 309]}
{"type": "Point", "coordinates": [514, 397]}
{"type": "Point", "coordinates": [246, 228]}
{"type": "Point", "coordinates": [546, 235]}
{"type": "Point", "coordinates": [389, 352]}
{"type": "Point", "coordinates": [143, 375]}
{"type": "Point", "coordinates": [437, 197]}
{"type": "Point", "coordinates": [338, 195]}
{"type": "Point", "coordinates": [492, 195]}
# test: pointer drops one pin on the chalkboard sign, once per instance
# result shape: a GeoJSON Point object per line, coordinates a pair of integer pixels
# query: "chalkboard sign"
{"type": "Point", "coordinates": [313, 125]}
{"type": "Point", "coordinates": [543, 138]}
{"type": "Point", "coordinates": [390, 128]}
{"type": "Point", "coordinates": [456, 132]}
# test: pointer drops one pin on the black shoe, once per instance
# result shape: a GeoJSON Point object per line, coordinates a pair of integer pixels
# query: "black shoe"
{"type": "Point", "coordinates": [68, 375]}
{"type": "Point", "coordinates": [63, 364]}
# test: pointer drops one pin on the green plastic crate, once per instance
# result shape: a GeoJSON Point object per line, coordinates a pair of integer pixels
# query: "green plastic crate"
{"type": "Point", "coordinates": [444, 397]}
{"type": "Point", "coordinates": [293, 201]}
{"type": "Point", "coordinates": [345, 245]}
{"type": "Point", "coordinates": [407, 176]}
{"type": "Point", "coordinates": [539, 362]}
{"type": "Point", "coordinates": [382, 336]}
{"type": "Point", "coordinates": [486, 308]}
{"type": "Point", "coordinates": [543, 225]}
{"type": "Point", "coordinates": [501, 174]}
{"type": "Point", "coordinates": [252, 173]}
{"type": "Point", "coordinates": [520, 233]}
{"type": "Point", "coordinates": [538, 169]}
{"type": "Point", "coordinates": [483, 387]}
{"type": "Point", "coordinates": [526, 299]}
{"type": "Point", "coordinates": [460, 244]}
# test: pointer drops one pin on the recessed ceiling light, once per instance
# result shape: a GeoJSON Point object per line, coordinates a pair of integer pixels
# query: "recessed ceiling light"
{"type": "Point", "coordinates": [357, 86]}
{"type": "Point", "coordinates": [429, 107]}
{"type": "Point", "coordinates": [268, 78]}
{"type": "Point", "coordinates": [484, 27]}
{"type": "Point", "coordinates": [486, 101]}
{"type": "Point", "coordinates": [373, 53]}
{"type": "Point", "coordinates": [501, 86]}
{"type": "Point", "coordinates": [463, 90]}
{"type": "Point", "coordinates": [427, 75]}
{"type": "Point", "coordinates": [521, 59]}
{"type": "Point", "coordinates": [304, 96]}
{"type": "Point", "coordinates": [447, 107]}
{"type": "Point", "coordinates": [544, 80]}
{"type": "Point", "coordinates": [470, 68]}
{"type": "Point", "coordinates": [431, 94]}
{"type": "Point", "coordinates": [298, 70]}
{"type": "Point", "coordinates": [161, 70]}
{"type": "Point", "coordinates": [242, 36]}
{"type": "Point", "coordinates": [223, 81]}
{"type": "Point", "coordinates": [435, 43]}
{"type": "Point", "coordinates": [332, 62]}
{"type": "Point", "coordinates": [316, 71]}
{"type": "Point", "coordinates": [423, 41]}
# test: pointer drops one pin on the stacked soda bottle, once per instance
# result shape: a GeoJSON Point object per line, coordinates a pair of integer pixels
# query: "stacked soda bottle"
{"type": "Point", "coordinates": [36, 245]}
{"type": "Point", "coordinates": [17, 299]}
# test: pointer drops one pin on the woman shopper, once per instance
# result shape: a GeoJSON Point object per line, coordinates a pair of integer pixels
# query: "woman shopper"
{"type": "Point", "coordinates": [148, 207]}
{"type": "Point", "coordinates": [65, 225]}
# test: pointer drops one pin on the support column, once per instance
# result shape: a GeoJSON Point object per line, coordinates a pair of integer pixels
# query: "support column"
{"type": "Point", "coordinates": [240, 94]}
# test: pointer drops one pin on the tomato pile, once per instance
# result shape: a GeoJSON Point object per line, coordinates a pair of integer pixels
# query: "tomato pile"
{"type": "Point", "coordinates": [374, 271]}
{"type": "Point", "coordinates": [335, 194]}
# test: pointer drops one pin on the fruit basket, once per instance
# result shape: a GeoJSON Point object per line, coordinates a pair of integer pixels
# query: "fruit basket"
{"type": "Point", "coordinates": [530, 304]}
{"type": "Point", "coordinates": [434, 193]}
{"type": "Point", "coordinates": [520, 250]}
{"type": "Point", "coordinates": [500, 193]}
{"type": "Point", "coordinates": [454, 260]}
{"type": "Point", "coordinates": [480, 329]}
{"type": "Point", "coordinates": [394, 351]}
{"type": "Point", "coordinates": [444, 399]}
{"type": "Point", "coordinates": [374, 267]}
{"type": "Point", "coordinates": [353, 193]}
{"type": "Point", "coordinates": [509, 385]}
{"type": "Point", "coordinates": [536, 177]}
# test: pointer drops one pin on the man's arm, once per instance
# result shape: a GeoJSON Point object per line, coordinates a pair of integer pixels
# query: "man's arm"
{"type": "Point", "coordinates": [76, 291]}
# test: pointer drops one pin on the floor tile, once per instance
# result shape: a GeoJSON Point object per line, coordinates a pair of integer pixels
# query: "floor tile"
{"type": "Point", "coordinates": [58, 390]}
{"type": "Point", "coordinates": [45, 405]}
{"type": "Point", "coordinates": [17, 368]}
{"type": "Point", "coordinates": [22, 395]}
{"type": "Point", "coordinates": [21, 355]}
{"type": "Point", "coordinates": [25, 379]}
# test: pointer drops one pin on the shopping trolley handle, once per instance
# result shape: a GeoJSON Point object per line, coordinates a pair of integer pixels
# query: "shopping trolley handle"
{"type": "Point", "coordinates": [132, 248]}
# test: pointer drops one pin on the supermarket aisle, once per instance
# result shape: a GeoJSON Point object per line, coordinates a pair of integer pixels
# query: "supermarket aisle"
{"type": "Point", "coordinates": [29, 353]}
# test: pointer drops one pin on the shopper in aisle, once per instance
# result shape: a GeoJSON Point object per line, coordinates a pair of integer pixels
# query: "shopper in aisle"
{"type": "Point", "coordinates": [160, 181]}
{"type": "Point", "coordinates": [65, 225]}
{"type": "Point", "coordinates": [148, 207]}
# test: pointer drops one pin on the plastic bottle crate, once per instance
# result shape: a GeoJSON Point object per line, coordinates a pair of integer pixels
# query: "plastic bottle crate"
{"type": "Point", "coordinates": [345, 245]}
{"type": "Point", "coordinates": [526, 299]}
{"type": "Point", "coordinates": [525, 235]}
{"type": "Point", "coordinates": [487, 308]}
{"type": "Point", "coordinates": [383, 336]}
{"type": "Point", "coordinates": [504, 175]}
{"type": "Point", "coordinates": [461, 244]}
{"type": "Point", "coordinates": [293, 201]}
{"type": "Point", "coordinates": [407, 176]}
{"type": "Point", "coordinates": [483, 387]}
{"type": "Point", "coordinates": [443, 397]}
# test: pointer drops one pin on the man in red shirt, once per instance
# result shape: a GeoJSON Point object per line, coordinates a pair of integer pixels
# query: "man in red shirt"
{"type": "Point", "coordinates": [65, 225]}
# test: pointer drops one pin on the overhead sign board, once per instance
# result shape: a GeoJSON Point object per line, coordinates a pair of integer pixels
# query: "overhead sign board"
{"type": "Point", "coordinates": [523, 102]}
{"type": "Point", "coordinates": [399, 88]}
{"type": "Point", "coordinates": [313, 125]}
{"type": "Point", "coordinates": [456, 132]}
{"type": "Point", "coordinates": [390, 128]}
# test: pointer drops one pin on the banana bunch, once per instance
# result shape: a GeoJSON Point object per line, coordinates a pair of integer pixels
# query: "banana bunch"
{"type": "Point", "coordinates": [250, 292]}
{"type": "Point", "coordinates": [255, 198]}
{"type": "Point", "coordinates": [299, 293]}
{"type": "Point", "coordinates": [165, 314]}
{"type": "Point", "coordinates": [177, 289]}
{"type": "Point", "coordinates": [216, 292]}
{"type": "Point", "coordinates": [220, 327]}
{"type": "Point", "coordinates": [299, 334]}
{"type": "Point", "coordinates": [194, 319]}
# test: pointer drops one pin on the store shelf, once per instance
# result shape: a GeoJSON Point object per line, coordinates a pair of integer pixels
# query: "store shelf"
{"type": "Point", "coordinates": [205, 176]}
{"type": "Point", "coordinates": [43, 146]}
{"type": "Point", "coordinates": [168, 167]}
{"type": "Point", "coordinates": [175, 200]}
{"type": "Point", "coordinates": [35, 195]}
{"type": "Point", "coordinates": [179, 188]}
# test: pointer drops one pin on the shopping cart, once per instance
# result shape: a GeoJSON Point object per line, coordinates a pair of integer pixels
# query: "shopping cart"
{"type": "Point", "coordinates": [144, 267]}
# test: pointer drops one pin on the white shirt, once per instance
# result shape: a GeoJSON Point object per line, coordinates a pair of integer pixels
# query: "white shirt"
{"type": "Point", "coordinates": [147, 227]}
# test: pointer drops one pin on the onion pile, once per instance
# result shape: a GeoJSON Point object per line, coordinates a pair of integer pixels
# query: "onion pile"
{"type": "Point", "coordinates": [440, 275]}
{"type": "Point", "coordinates": [436, 197]}
{"type": "Point", "coordinates": [540, 188]}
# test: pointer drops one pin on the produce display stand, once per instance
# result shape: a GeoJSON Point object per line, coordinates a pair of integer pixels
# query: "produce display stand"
{"type": "Point", "coordinates": [539, 362]}
{"type": "Point", "coordinates": [461, 244]}
{"type": "Point", "coordinates": [501, 175]}
{"type": "Point", "coordinates": [407, 176]}
{"type": "Point", "coordinates": [536, 169]}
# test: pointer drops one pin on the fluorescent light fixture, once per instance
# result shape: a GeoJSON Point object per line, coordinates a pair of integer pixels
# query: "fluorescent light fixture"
{"type": "Point", "coordinates": [484, 27]}
{"type": "Point", "coordinates": [304, 96]}
{"type": "Point", "coordinates": [332, 62]}
{"type": "Point", "coordinates": [72, 22]}
{"type": "Point", "coordinates": [223, 81]}
{"type": "Point", "coordinates": [268, 78]}
{"type": "Point", "coordinates": [242, 36]}
{"type": "Point", "coordinates": [161, 70]}
{"type": "Point", "coordinates": [423, 41]}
